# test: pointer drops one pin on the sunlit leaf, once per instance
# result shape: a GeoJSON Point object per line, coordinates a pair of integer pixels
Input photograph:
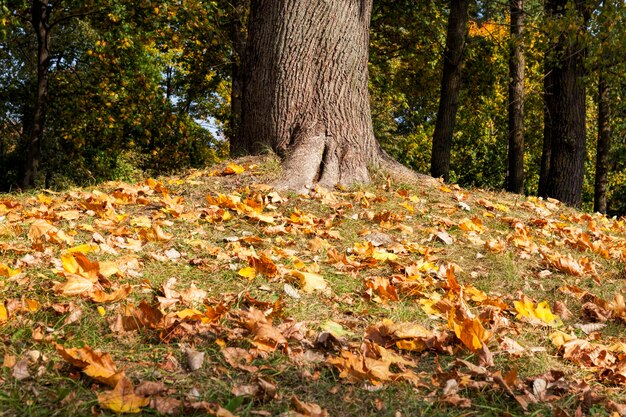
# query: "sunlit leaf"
{"type": "Point", "coordinates": [539, 314]}
{"type": "Point", "coordinates": [122, 399]}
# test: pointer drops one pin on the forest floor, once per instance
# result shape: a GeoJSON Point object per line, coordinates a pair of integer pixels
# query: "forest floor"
{"type": "Point", "coordinates": [211, 293]}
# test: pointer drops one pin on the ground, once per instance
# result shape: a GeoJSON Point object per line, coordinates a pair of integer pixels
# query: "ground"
{"type": "Point", "coordinates": [211, 293]}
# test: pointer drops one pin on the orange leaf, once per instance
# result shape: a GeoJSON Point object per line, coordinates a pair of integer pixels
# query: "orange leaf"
{"type": "Point", "coordinates": [469, 330]}
{"type": "Point", "coordinates": [93, 363]}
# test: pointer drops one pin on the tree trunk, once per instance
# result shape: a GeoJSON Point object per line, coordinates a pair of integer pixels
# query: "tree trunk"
{"type": "Point", "coordinates": [604, 147]}
{"type": "Point", "coordinates": [568, 127]}
{"type": "Point", "coordinates": [450, 87]}
{"type": "Point", "coordinates": [515, 182]}
{"type": "Point", "coordinates": [305, 92]}
{"type": "Point", "coordinates": [40, 15]}
{"type": "Point", "coordinates": [238, 40]}
{"type": "Point", "coordinates": [548, 95]}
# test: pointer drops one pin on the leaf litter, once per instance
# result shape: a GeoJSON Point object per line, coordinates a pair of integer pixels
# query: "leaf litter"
{"type": "Point", "coordinates": [380, 289]}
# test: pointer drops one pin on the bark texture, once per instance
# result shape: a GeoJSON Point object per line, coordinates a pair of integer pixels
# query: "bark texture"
{"type": "Point", "coordinates": [515, 180]}
{"type": "Point", "coordinates": [603, 148]}
{"type": "Point", "coordinates": [305, 92]}
{"type": "Point", "coordinates": [567, 111]}
{"type": "Point", "coordinates": [40, 19]}
{"type": "Point", "coordinates": [546, 151]}
{"type": "Point", "coordinates": [238, 37]}
{"type": "Point", "coordinates": [450, 87]}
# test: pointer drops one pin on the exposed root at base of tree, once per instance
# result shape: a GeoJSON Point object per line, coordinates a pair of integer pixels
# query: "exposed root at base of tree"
{"type": "Point", "coordinates": [315, 161]}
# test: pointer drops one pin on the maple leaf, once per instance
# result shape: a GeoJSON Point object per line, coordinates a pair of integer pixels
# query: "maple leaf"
{"type": "Point", "coordinates": [6, 271]}
{"type": "Point", "coordinates": [473, 225]}
{"type": "Point", "coordinates": [122, 399]}
{"type": "Point", "coordinates": [536, 315]}
{"type": "Point", "coordinates": [310, 282]}
{"type": "Point", "coordinates": [93, 363]}
{"type": "Point", "coordinates": [382, 287]}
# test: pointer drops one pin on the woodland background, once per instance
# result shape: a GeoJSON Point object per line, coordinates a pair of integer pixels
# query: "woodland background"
{"type": "Point", "coordinates": [147, 87]}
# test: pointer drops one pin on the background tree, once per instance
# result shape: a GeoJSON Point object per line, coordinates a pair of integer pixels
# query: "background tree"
{"type": "Point", "coordinates": [567, 102]}
{"type": "Point", "coordinates": [450, 88]}
{"type": "Point", "coordinates": [515, 179]}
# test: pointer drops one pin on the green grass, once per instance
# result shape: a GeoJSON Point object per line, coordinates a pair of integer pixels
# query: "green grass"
{"type": "Point", "coordinates": [57, 388]}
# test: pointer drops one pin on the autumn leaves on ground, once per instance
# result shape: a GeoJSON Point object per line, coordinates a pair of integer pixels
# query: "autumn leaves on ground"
{"type": "Point", "coordinates": [212, 294]}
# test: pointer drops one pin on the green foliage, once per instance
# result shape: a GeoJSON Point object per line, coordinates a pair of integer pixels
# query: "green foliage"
{"type": "Point", "coordinates": [109, 104]}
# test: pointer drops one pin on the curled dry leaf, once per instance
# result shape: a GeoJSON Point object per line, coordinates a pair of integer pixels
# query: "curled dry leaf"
{"type": "Point", "coordinates": [308, 409]}
{"type": "Point", "coordinates": [195, 359]}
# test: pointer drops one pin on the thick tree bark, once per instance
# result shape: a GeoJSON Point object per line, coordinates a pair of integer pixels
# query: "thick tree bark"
{"type": "Point", "coordinates": [603, 148]}
{"type": "Point", "coordinates": [305, 92]}
{"type": "Point", "coordinates": [568, 127]}
{"type": "Point", "coordinates": [40, 18]}
{"type": "Point", "coordinates": [515, 180]}
{"type": "Point", "coordinates": [238, 39]}
{"type": "Point", "coordinates": [450, 87]}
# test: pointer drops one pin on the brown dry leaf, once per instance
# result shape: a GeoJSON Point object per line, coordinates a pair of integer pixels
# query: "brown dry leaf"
{"type": "Point", "coordinates": [122, 399]}
{"type": "Point", "coordinates": [263, 265]}
{"type": "Point", "coordinates": [267, 338]}
{"type": "Point", "coordinates": [308, 409]}
{"type": "Point", "coordinates": [20, 370]}
{"type": "Point", "coordinates": [93, 363]}
{"type": "Point", "coordinates": [144, 316]}
{"type": "Point", "coordinates": [100, 296]}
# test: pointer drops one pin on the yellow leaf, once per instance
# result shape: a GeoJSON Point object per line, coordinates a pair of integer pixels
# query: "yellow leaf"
{"type": "Point", "coordinates": [69, 263]}
{"type": "Point", "coordinates": [190, 313]}
{"type": "Point", "coordinates": [233, 169]}
{"type": "Point", "coordinates": [101, 311]}
{"type": "Point", "coordinates": [123, 399]}
{"type": "Point", "coordinates": [4, 315]}
{"type": "Point", "coordinates": [5, 271]}
{"type": "Point", "coordinates": [86, 248]}
{"type": "Point", "coordinates": [247, 272]}
{"type": "Point", "coordinates": [539, 315]}
{"type": "Point", "coordinates": [310, 282]}
{"type": "Point", "coordinates": [382, 255]}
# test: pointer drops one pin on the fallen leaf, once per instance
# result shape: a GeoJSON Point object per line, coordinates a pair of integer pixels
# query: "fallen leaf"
{"type": "Point", "coordinates": [122, 399]}
{"type": "Point", "coordinates": [93, 363]}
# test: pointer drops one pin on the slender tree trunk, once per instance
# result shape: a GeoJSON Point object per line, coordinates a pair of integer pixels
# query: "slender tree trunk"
{"type": "Point", "coordinates": [548, 108]}
{"type": "Point", "coordinates": [305, 92]}
{"type": "Point", "coordinates": [40, 14]}
{"type": "Point", "coordinates": [238, 40]}
{"type": "Point", "coordinates": [515, 182]}
{"type": "Point", "coordinates": [568, 127]}
{"type": "Point", "coordinates": [604, 147]}
{"type": "Point", "coordinates": [450, 87]}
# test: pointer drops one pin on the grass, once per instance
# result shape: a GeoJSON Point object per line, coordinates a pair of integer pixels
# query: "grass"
{"type": "Point", "coordinates": [402, 221]}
